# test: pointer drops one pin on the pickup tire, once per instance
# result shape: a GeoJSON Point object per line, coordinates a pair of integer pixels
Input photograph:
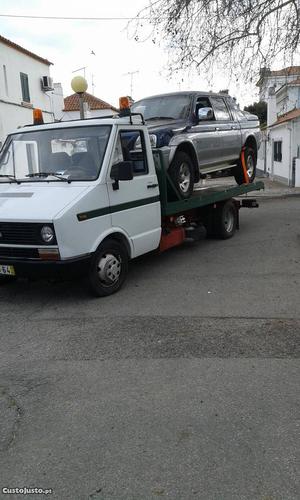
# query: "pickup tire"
{"type": "Point", "coordinates": [182, 173]}
{"type": "Point", "coordinates": [108, 268]}
{"type": "Point", "coordinates": [223, 221]}
{"type": "Point", "coordinates": [250, 160]}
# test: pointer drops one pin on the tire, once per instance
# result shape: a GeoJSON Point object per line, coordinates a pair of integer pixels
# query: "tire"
{"type": "Point", "coordinates": [250, 160]}
{"type": "Point", "coordinates": [109, 268]}
{"type": "Point", "coordinates": [223, 222]}
{"type": "Point", "coordinates": [182, 173]}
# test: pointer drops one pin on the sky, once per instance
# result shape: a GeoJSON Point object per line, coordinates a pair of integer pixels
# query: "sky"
{"type": "Point", "coordinates": [68, 44]}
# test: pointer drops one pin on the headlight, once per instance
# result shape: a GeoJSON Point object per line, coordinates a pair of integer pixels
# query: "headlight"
{"type": "Point", "coordinates": [47, 234]}
{"type": "Point", "coordinates": [153, 140]}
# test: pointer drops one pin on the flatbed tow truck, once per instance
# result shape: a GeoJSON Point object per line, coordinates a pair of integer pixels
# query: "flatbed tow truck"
{"type": "Point", "coordinates": [79, 199]}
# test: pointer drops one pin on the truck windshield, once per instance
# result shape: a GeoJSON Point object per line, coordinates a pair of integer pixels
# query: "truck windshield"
{"type": "Point", "coordinates": [174, 107]}
{"type": "Point", "coordinates": [71, 153]}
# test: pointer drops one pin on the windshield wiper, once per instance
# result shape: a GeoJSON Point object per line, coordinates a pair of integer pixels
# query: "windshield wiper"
{"type": "Point", "coordinates": [47, 174]}
{"type": "Point", "coordinates": [160, 118]}
{"type": "Point", "coordinates": [11, 177]}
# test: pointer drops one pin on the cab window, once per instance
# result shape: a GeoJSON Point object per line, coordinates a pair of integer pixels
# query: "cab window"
{"type": "Point", "coordinates": [126, 150]}
{"type": "Point", "coordinates": [220, 109]}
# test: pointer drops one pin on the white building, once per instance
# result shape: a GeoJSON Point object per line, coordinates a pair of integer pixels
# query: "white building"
{"type": "Point", "coordinates": [93, 107]}
{"type": "Point", "coordinates": [280, 153]}
{"type": "Point", "coordinates": [21, 87]}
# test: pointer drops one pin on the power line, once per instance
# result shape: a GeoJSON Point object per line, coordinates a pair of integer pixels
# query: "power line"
{"type": "Point", "coordinates": [62, 18]}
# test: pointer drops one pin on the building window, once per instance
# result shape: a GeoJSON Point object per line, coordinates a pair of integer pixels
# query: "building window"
{"type": "Point", "coordinates": [277, 151]}
{"type": "Point", "coordinates": [25, 87]}
{"type": "Point", "coordinates": [5, 79]}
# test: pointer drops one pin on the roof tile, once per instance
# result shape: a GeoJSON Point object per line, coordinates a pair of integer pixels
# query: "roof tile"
{"type": "Point", "coordinates": [72, 102]}
{"type": "Point", "coordinates": [295, 113]}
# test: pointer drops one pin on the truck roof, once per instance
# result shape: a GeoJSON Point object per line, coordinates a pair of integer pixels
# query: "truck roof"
{"type": "Point", "coordinates": [109, 120]}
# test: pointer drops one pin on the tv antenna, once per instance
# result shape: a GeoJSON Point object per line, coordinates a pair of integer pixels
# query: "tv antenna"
{"type": "Point", "coordinates": [131, 73]}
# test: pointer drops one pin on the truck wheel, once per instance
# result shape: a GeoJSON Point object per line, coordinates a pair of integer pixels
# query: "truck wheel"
{"type": "Point", "coordinates": [223, 221]}
{"type": "Point", "coordinates": [182, 173]}
{"type": "Point", "coordinates": [250, 160]}
{"type": "Point", "coordinates": [108, 269]}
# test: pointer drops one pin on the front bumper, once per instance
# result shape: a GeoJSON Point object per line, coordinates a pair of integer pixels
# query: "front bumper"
{"type": "Point", "coordinates": [41, 269]}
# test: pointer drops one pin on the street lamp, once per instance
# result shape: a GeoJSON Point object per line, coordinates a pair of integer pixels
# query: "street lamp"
{"type": "Point", "coordinates": [79, 85]}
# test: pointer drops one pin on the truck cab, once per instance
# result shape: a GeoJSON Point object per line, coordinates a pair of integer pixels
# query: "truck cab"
{"type": "Point", "coordinates": [68, 188]}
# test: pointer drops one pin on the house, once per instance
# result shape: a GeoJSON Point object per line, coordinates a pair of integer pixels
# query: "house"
{"type": "Point", "coordinates": [24, 84]}
{"type": "Point", "coordinates": [93, 107]}
{"type": "Point", "coordinates": [280, 152]}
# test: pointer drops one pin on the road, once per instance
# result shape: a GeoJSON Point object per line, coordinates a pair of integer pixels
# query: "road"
{"type": "Point", "coordinates": [183, 385]}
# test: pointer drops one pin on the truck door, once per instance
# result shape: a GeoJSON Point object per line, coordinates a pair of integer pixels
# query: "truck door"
{"type": "Point", "coordinates": [229, 130]}
{"type": "Point", "coordinates": [135, 205]}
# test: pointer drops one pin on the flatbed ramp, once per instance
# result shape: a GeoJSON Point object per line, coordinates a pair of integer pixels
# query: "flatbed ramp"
{"type": "Point", "coordinates": [172, 203]}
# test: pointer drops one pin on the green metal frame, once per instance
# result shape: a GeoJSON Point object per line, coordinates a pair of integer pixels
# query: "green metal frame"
{"type": "Point", "coordinates": [172, 203]}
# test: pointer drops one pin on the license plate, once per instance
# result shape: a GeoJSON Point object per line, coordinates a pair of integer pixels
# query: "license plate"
{"type": "Point", "coordinates": [7, 270]}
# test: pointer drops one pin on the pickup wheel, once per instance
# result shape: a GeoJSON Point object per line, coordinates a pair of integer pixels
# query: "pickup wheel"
{"type": "Point", "coordinates": [183, 174]}
{"type": "Point", "coordinates": [250, 160]}
{"type": "Point", "coordinates": [223, 221]}
{"type": "Point", "coordinates": [108, 269]}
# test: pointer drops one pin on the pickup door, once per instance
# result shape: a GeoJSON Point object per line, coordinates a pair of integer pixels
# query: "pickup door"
{"type": "Point", "coordinates": [230, 132]}
{"type": "Point", "coordinates": [135, 205]}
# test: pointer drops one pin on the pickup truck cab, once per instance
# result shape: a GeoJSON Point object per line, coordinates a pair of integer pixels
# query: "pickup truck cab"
{"type": "Point", "coordinates": [76, 200]}
{"type": "Point", "coordinates": [205, 132]}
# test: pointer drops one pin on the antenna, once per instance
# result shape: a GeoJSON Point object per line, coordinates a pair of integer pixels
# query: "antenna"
{"type": "Point", "coordinates": [80, 69]}
{"type": "Point", "coordinates": [93, 85]}
{"type": "Point", "coordinates": [131, 73]}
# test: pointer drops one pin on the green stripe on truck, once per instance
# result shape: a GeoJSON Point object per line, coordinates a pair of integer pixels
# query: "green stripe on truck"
{"type": "Point", "coordinates": [98, 212]}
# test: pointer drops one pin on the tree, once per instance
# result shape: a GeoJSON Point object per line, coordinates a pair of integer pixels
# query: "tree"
{"type": "Point", "coordinates": [239, 35]}
{"type": "Point", "coordinates": [259, 109]}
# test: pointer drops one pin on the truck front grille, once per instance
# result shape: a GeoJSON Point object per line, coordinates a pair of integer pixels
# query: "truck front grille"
{"type": "Point", "coordinates": [22, 233]}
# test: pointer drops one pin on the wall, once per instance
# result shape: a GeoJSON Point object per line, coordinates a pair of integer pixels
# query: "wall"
{"type": "Point", "coordinates": [74, 115]}
{"type": "Point", "coordinates": [279, 170]}
{"type": "Point", "coordinates": [297, 180]}
{"type": "Point", "coordinates": [12, 112]}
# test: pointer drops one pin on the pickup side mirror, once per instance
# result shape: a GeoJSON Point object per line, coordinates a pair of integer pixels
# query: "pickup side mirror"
{"type": "Point", "coordinates": [205, 114]}
{"type": "Point", "coordinates": [122, 171]}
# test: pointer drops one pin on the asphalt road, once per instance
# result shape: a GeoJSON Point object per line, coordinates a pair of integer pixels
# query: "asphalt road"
{"type": "Point", "coordinates": [183, 385]}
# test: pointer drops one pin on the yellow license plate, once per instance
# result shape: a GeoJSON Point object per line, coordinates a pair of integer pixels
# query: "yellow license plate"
{"type": "Point", "coordinates": [7, 270]}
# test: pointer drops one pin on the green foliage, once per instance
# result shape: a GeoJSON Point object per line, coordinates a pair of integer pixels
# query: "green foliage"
{"type": "Point", "coordinates": [259, 109]}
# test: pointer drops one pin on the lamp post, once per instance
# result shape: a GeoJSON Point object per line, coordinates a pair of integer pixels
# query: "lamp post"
{"type": "Point", "coordinates": [79, 85]}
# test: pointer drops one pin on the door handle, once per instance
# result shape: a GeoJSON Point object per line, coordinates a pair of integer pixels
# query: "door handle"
{"type": "Point", "coordinates": [149, 186]}
{"type": "Point", "coordinates": [233, 128]}
{"type": "Point", "coordinates": [217, 128]}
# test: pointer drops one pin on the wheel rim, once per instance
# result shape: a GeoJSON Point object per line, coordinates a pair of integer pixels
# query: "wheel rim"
{"type": "Point", "coordinates": [109, 269]}
{"type": "Point", "coordinates": [250, 166]}
{"type": "Point", "coordinates": [229, 220]}
{"type": "Point", "coordinates": [184, 177]}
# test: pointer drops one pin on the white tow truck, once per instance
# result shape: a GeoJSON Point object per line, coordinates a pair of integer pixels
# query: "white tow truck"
{"type": "Point", "coordinates": [80, 199]}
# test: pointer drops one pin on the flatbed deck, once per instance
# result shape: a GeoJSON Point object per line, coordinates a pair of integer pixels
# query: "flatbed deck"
{"type": "Point", "coordinates": [172, 203]}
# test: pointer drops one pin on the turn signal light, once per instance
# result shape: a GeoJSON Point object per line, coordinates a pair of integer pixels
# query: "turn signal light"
{"type": "Point", "coordinates": [38, 117]}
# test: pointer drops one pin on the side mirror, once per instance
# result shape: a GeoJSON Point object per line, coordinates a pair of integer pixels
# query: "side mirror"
{"type": "Point", "coordinates": [205, 114]}
{"type": "Point", "coordinates": [122, 171]}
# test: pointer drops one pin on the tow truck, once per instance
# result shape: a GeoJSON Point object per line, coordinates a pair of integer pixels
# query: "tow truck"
{"type": "Point", "coordinates": [78, 199]}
